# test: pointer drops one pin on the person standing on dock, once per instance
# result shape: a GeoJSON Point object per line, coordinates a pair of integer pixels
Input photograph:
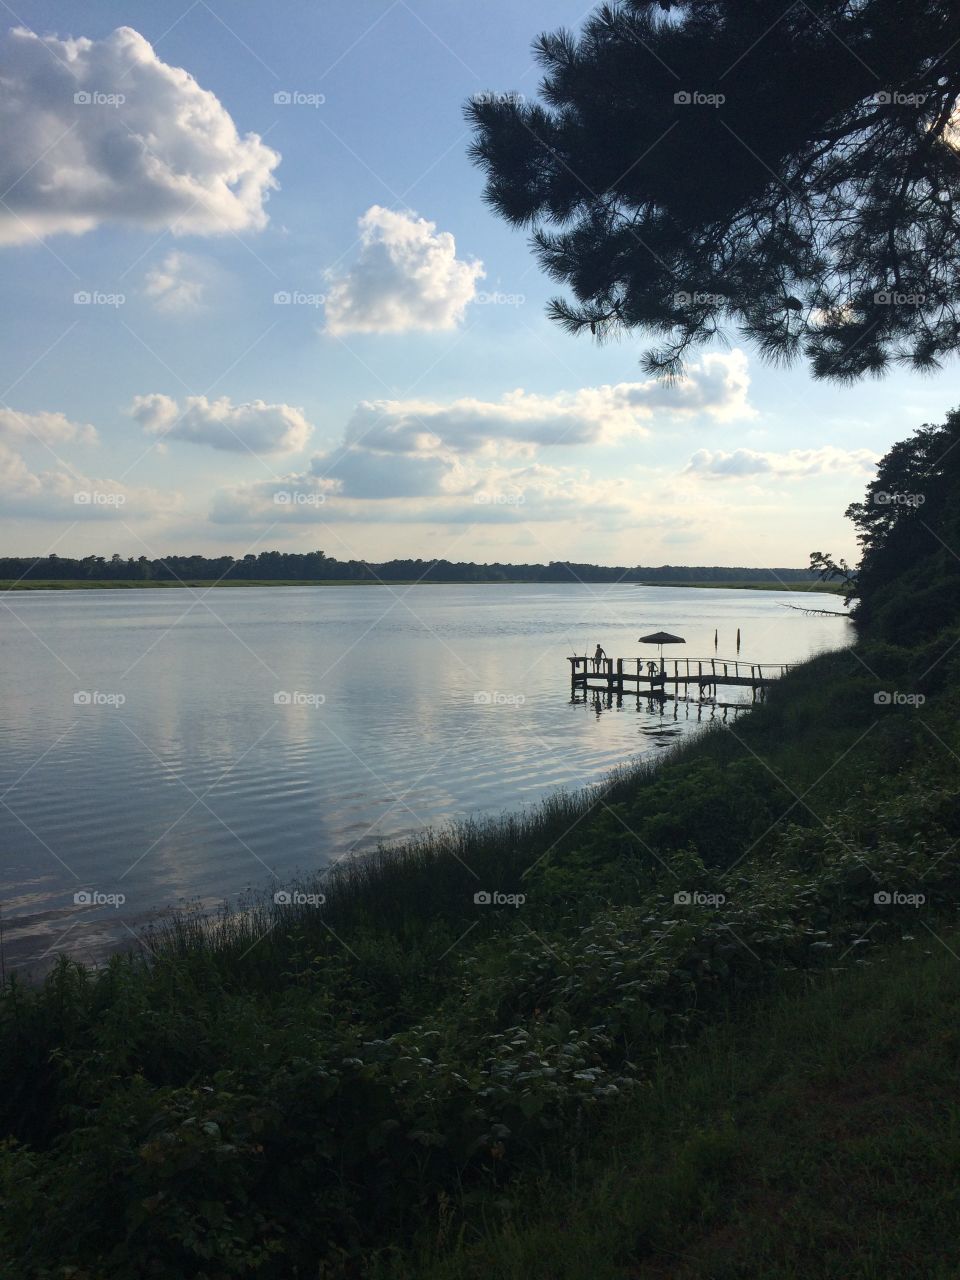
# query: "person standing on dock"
{"type": "Point", "coordinates": [598, 657]}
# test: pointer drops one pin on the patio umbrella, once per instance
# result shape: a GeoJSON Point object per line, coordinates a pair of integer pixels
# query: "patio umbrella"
{"type": "Point", "coordinates": [661, 638]}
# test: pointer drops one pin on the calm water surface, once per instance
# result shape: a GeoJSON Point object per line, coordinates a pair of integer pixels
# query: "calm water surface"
{"type": "Point", "coordinates": [168, 745]}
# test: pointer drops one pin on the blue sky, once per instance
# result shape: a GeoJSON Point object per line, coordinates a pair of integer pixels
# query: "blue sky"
{"type": "Point", "coordinates": [305, 329]}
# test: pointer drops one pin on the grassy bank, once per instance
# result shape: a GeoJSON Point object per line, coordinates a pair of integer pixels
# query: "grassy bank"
{"type": "Point", "coordinates": [233, 1101]}
{"type": "Point", "coordinates": [812, 1138]}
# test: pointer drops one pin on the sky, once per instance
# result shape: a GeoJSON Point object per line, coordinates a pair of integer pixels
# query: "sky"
{"type": "Point", "coordinates": [254, 300]}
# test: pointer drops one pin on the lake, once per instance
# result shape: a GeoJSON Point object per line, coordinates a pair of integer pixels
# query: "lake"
{"type": "Point", "coordinates": [163, 746]}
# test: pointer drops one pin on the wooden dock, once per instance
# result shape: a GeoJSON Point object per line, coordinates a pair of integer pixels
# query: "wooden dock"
{"type": "Point", "coordinates": [704, 675]}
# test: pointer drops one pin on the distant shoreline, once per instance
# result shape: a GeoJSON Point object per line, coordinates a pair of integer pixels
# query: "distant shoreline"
{"type": "Point", "coordinates": [69, 584]}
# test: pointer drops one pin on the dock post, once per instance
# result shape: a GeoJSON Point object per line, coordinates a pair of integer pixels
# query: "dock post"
{"type": "Point", "coordinates": [620, 676]}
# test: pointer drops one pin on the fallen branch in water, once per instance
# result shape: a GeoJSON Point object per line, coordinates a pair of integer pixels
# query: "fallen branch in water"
{"type": "Point", "coordinates": [827, 613]}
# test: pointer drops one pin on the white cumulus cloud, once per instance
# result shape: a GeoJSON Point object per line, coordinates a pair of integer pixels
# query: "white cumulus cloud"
{"type": "Point", "coordinates": [716, 388]}
{"type": "Point", "coordinates": [97, 131]}
{"type": "Point", "coordinates": [177, 285]}
{"type": "Point", "coordinates": [255, 427]}
{"type": "Point", "coordinates": [794, 464]}
{"type": "Point", "coordinates": [478, 460]}
{"type": "Point", "coordinates": [46, 428]}
{"type": "Point", "coordinates": [64, 493]}
{"type": "Point", "coordinates": [422, 491]}
{"type": "Point", "coordinates": [407, 277]}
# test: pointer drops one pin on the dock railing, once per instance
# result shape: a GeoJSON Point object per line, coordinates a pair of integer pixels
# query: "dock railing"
{"type": "Point", "coordinates": [705, 673]}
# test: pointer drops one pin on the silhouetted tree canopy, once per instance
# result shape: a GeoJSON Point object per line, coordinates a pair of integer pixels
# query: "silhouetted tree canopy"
{"type": "Point", "coordinates": [787, 170]}
{"type": "Point", "coordinates": [908, 528]}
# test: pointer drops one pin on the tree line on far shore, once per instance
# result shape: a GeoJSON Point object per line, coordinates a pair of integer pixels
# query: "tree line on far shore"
{"type": "Point", "coordinates": [314, 566]}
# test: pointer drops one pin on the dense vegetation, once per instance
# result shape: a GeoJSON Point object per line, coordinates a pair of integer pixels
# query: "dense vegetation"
{"type": "Point", "coordinates": [314, 566]}
{"type": "Point", "coordinates": [406, 1083]}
